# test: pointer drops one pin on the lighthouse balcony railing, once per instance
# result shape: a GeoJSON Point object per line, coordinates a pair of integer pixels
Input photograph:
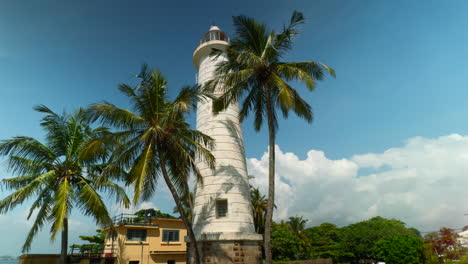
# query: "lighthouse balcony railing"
{"type": "Point", "coordinates": [214, 35]}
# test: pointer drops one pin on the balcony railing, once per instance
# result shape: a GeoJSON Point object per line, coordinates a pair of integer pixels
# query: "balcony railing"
{"type": "Point", "coordinates": [91, 251]}
{"type": "Point", "coordinates": [131, 219]}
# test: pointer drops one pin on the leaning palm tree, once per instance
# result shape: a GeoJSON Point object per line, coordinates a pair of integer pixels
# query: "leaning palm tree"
{"type": "Point", "coordinates": [65, 172]}
{"type": "Point", "coordinates": [155, 139]}
{"type": "Point", "coordinates": [255, 72]}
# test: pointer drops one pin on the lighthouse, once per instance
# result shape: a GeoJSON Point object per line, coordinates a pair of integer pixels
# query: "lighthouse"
{"type": "Point", "coordinates": [222, 214]}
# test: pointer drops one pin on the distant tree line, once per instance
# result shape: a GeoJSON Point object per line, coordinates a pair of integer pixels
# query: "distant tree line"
{"type": "Point", "coordinates": [369, 241]}
{"type": "Point", "coordinates": [364, 242]}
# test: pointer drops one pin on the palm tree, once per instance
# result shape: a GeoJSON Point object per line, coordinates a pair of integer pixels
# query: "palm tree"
{"type": "Point", "coordinates": [297, 224]}
{"type": "Point", "coordinates": [259, 208]}
{"type": "Point", "coordinates": [187, 202]}
{"type": "Point", "coordinates": [155, 139]}
{"type": "Point", "coordinates": [254, 71]}
{"type": "Point", "coordinates": [66, 171]}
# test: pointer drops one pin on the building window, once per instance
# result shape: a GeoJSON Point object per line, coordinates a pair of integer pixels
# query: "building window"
{"type": "Point", "coordinates": [221, 208]}
{"type": "Point", "coordinates": [134, 262]}
{"type": "Point", "coordinates": [136, 234]}
{"type": "Point", "coordinates": [171, 262]}
{"type": "Point", "coordinates": [170, 235]}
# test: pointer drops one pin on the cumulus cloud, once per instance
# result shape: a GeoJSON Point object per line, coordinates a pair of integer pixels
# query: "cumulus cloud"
{"type": "Point", "coordinates": [424, 183]}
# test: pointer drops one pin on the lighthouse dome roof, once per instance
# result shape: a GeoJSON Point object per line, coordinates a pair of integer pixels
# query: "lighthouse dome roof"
{"type": "Point", "coordinates": [213, 27]}
{"type": "Point", "coordinates": [215, 33]}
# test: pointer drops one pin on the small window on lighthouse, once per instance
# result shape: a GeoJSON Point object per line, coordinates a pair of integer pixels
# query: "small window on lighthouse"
{"type": "Point", "coordinates": [221, 208]}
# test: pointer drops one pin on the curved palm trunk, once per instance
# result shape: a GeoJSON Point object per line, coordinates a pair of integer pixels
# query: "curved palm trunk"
{"type": "Point", "coordinates": [180, 207]}
{"type": "Point", "coordinates": [64, 246]}
{"type": "Point", "coordinates": [271, 178]}
{"type": "Point", "coordinates": [192, 246]}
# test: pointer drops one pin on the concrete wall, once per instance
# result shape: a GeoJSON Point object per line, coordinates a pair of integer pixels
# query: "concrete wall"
{"type": "Point", "coordinates": [162, 259]}
{"type": "Point", "coordinates": [54, 259]}
{"type": "Point", "coordinates": [39, 259]}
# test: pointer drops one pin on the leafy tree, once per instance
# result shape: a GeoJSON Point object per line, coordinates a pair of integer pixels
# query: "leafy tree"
{"type": "Point", "coordinates": [399, 249]}
{"type": "Point", "coordinates": [255, 70]}
{"type": "Point", "coordinates": [95, 243]}
{"type": "Point", "coordinates": [444, 244]}
{"type": "Point", "coordinates": [155, 139]}
{"type": "Point", "coordinates": [99, 238]}
{"type": "Point", "coordinates": [65, 172]}
{"type": "Point", "coordinates": [145, 213]}
{"type": "Point", "coordinates": [284, 244]}
{"type": "Point", "coordinates": [360, 238]}
{"type": "Point", "coordinates": [325, 242]}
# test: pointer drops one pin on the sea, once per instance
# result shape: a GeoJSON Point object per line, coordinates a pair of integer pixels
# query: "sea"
{"type": "Point", "coordinates": [9, 261]}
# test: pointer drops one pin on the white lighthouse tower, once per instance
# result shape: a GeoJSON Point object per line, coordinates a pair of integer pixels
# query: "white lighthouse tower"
{"type": "Point", "coordinates": [223, 220]}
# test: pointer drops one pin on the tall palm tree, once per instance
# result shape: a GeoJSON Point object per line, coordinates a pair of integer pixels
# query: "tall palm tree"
{"type": "Point", "coordinates": [155, 139]}
{"type": "Point", "coordinates": [259, 208]}
{"type": "Point", "coordinates": [254, 70]}
{"type": "Point", "coordinates": [66, 171]}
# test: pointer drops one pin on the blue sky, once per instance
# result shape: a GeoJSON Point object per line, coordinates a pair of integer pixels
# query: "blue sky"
{"type": "Point", "coordinates": [401, 89]}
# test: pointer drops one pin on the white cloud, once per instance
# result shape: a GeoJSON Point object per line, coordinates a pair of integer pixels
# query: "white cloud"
{"type": "Point", "coordinates": [120, 209]}
{"type": "Point", "coordinates": [424, 183]}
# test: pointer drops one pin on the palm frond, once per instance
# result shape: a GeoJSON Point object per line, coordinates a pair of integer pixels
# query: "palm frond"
{"type": "Point", "coordinates": [91, 203]}
{"type": "Point", "coordinates": [283, 41]}
{"type": "Point", "coordinates": [288, 98]}
{"type": "Point", "coordinates": [18, 182]}
{"type": "Point", "coordinates": [19, 196]}
{"type": "Point", "coordinates": [187, 99]}
{"type": "Point", "coordinates": [113, 189]}
{"type": "Point", "coordinates": [141, 171]}
{"type": "Point", "coordinates": [62, 207]}
{"type": "Point", "coordinates": [28, 148]}
{"type": "Point", "coordinates": [39, 222]}
{"type": "Point", "coordinates": [110, 115]}
{"type": "Point", "coordinates": [250, 32]}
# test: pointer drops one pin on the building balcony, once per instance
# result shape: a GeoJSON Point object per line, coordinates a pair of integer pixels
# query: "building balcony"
{"type": "Point", "coordinates": [132, 220]}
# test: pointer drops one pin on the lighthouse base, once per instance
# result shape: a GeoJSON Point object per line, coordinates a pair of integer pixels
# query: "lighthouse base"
{"type": "Point", "coordinates": [231, 248]}
{"type": "Point", "coordinates": [227, 252]}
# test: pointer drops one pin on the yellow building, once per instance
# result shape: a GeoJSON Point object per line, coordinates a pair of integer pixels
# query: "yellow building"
{"type": "Point", "coordinates": [147, 241]}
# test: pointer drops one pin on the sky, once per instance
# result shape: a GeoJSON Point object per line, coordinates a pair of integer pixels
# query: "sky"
{"type": "Point", "coordinates": [390, 134]}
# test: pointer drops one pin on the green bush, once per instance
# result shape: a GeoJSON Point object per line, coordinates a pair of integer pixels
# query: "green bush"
{"type": "Point", "coordinates": [284, 244]}
{"type": "Point", "coordinates": [463, 259]}
{"type": "Point", "coordinates": [399, 249]}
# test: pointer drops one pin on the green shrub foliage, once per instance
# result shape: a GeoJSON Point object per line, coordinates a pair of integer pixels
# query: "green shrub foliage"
{"type": "Point", "coordinates": [402, 249]}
